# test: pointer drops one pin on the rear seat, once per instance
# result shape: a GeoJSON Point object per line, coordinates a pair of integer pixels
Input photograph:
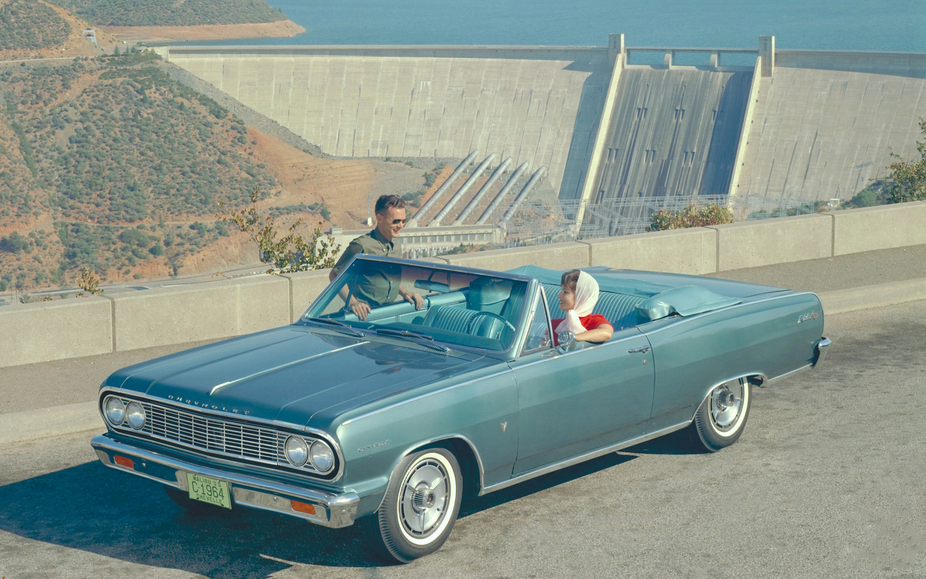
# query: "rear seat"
{"type": "Point", "coordinates": [619, 309]}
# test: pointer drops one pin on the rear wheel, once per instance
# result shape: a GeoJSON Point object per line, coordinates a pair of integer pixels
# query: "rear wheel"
{"type": "Point", "coordinates": [721, 418]}
{"type": "Point", "coordinates": [421, 505]}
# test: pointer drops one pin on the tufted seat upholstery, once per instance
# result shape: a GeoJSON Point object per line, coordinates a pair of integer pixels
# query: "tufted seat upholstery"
{"type": "Point", "coordinates": [450, 317]}
{"type": "Point", "coordinates": [463, 321]}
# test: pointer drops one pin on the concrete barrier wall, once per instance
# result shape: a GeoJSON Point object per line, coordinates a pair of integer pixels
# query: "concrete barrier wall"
{"type": "Point", "coordinates": [304, 288]}
{"type": "Point", "coordinates": [165, 316]}
{"type": "Point", "coordinates": [771, 241]}
{"type": "Point", "coordinates": [71, 328]}
{"type": "Point", "coordinates": [879, 228]}
{"type": "Point", "coordinates": [691, 251]}
{"type": "Point", "coordinates": [553, 256]}
{"type": "Point", "coordinates": [46, 331]}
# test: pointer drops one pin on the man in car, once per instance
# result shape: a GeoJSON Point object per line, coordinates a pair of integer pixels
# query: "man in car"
{"type": "Point", "coordinates": [379, 286]}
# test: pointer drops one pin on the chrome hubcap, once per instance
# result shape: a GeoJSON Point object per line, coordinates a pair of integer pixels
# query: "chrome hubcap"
{"type": "Point", "coordinates": [725, 407]}
{"type": "Point", "coordinates": [423, 500]}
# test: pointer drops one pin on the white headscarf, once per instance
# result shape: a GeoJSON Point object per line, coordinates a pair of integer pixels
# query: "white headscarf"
{"type": "Point", "coordinates": [586, 298]}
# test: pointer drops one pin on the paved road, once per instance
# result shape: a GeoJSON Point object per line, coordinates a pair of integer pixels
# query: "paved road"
{"type": "Point", "coordinates": [827, 481]}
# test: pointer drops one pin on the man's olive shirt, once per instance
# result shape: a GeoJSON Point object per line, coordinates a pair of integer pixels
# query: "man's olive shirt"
{"type": "Point", "coordinates": [379, 286]}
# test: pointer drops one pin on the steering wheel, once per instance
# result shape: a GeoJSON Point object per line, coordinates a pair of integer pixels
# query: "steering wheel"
{"type": "Point", "coordinates": [472, 321]}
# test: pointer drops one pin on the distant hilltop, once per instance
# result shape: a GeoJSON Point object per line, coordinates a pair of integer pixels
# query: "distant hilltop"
{"type": "Point", "coordinates": [168, 20]}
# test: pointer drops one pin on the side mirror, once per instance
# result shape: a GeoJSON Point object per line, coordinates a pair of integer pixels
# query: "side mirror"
{"type": "Point", "coordinates": [567, 342]}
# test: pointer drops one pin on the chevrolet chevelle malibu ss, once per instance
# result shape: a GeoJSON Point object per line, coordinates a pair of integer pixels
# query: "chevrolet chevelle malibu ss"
{"type": "Point", "coordinates": [388, 416]}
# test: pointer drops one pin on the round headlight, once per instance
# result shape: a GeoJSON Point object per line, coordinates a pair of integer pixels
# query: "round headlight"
{"type": "Point", "coordinates": [322, 456]}
{"type": "Point", "coordinates": [114, 409]}
{"type": "Point", "coordinates": [296, 450]}
{"type": "Point", "coordinates": [135, 414]}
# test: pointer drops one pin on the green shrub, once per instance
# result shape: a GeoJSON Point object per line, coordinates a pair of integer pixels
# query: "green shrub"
{"type": "Point", "coordinates": [690, 216]}
{"type": "Point", "coordinates": [289, 253]}
{"type": "Point", "coordinates": [909, 177]}
{"type": "Point", "coordinates": [14, 243]}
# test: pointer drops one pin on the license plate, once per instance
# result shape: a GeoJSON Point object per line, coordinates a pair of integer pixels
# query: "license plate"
{"type": "Point", "coordinates": [208, 490]}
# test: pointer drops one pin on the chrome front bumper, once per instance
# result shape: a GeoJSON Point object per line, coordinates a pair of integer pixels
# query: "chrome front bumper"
{"type": "Point", "coordinates": [331, 510]}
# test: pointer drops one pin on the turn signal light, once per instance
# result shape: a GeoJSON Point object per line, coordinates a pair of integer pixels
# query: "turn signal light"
{"type": "Point", "coordinates": [123, 461]}
{"type": "Point", "coordinates": [303, 507]}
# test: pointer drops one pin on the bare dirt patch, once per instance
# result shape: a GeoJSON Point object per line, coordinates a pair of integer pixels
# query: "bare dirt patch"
{"type": "Point", "coordinates": [348, 187]}
{"type": "Point", "coordinates": [133, 34]}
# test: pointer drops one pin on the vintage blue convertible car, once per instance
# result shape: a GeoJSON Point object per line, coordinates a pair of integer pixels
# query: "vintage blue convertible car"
{"type": "Point", "coordinates": [390, 419]}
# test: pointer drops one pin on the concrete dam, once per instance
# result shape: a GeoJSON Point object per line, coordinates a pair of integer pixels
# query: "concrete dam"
{"type": "Point", "coordinates": [615, 133]}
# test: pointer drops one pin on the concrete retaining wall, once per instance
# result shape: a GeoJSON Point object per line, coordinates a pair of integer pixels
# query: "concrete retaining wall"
{"type": "Point", "coordinates": [96, 325]}
{"type": "Point", "coordinates": [691, 251]}
{"type": "Point", "coordinates": [304, 288]}
{"type": "Point", "coordinates": [879, 228]}
{"type": "Point", "coordinates": [46, 331]}
{"type": "Point", "coordinates": [165, 316]}
{"type": "Point", "coordinates": [553, 256]}
{"type": "Point", "coordinates": [758, 243]}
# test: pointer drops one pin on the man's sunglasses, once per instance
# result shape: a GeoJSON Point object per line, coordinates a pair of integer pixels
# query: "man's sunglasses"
{"type": "Point", "coordinates": [397, 221]}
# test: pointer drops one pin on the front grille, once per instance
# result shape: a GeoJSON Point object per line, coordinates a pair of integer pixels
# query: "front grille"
{"type": "Point", "coordinates": [229, 438]}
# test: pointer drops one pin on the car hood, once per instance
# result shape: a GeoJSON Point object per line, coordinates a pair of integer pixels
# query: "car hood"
{"type": "Point", "coordinates": [291, 374]}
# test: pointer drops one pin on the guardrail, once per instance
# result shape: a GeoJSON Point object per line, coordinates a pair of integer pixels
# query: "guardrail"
{"type": "Point", "coordinates": [670, 56]}
{"type": "Point", "coordinates": [56, 330]}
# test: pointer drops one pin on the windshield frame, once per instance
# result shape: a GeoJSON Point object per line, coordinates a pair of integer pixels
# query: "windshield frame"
{"type": "Point", "coordinates": [506, 351]}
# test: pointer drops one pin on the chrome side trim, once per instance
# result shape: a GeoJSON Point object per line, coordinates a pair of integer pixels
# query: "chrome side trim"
{"type": "Point", "coordinates": [547, 357]}
{"type": "Point", "coordinates": [582, 458]}
{"type": "Point", "coordinates": [789, 374]}
{"type": "Point", "coordinates": [682, 320]}
{"type": "Point", "coordinates": [340, 509]}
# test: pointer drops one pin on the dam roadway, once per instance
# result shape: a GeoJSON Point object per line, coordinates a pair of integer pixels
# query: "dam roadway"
{"type": "Point", "coordinates": [818, 486]}
{"type": "Point", "coordinates": [825, 482]}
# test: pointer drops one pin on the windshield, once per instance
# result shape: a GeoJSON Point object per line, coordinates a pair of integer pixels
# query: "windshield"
{"type": "Point", "coordinates": [424, 305]}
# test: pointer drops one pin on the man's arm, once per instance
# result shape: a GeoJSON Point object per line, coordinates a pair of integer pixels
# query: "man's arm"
{"type": "Point", "coordinates": [360, 308]}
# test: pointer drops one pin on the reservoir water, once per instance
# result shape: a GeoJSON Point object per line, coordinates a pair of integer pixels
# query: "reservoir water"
{"type": "Point", "coordinates": [868, 25]}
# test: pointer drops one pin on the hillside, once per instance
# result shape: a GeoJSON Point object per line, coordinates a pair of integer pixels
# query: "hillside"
{"type": "Point", "coordinates": [171, 12]}
{"type": "Point", "coordinates": [31, 29]}
{"type": "Point", "coordinates": [26, 25]}
{"type": "Point", "coordinates": [104, 162]}
{"type": "Point", "coordinates": [108, 164]}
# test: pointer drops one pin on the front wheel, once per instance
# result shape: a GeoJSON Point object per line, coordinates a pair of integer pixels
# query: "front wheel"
{"type": "Point", "coordinates": [421, 505]}
{"type": "Point", "coordinates": [720, 419]}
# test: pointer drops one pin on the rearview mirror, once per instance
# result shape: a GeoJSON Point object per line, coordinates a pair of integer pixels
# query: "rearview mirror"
{"type": "Point", "coordinates": [432, 286]}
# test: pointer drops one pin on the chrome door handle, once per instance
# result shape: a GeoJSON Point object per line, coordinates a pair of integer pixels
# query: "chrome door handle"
{"type": "Point", "coordinates": [641, 350]}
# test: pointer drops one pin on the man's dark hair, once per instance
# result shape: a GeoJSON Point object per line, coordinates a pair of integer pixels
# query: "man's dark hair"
{"type": "Point", "coordinates": [386, 201]}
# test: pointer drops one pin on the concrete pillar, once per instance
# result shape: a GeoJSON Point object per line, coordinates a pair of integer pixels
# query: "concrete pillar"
{"type": "Point", "coordinates": [670, 59]}
{"type": "Point", "coordinates": [767, 52]}
{"type": "Point", "coordinates": [615, 45]}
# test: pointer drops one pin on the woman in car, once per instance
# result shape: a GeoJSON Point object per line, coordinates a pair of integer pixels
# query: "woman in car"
{"type": "Point", "coordinates": [577, 297]}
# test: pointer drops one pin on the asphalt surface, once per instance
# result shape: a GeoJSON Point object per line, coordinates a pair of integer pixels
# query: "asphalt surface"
{"type": "Point", "coordinates": [826, 482]}
{"type": "Point", "coordinates": [59, 397]}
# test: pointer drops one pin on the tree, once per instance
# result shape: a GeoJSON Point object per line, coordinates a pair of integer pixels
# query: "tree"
{"type": "Point", "coordinates": [291, 252]}
{"type": "Point", "coordinates": [909, 177]}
